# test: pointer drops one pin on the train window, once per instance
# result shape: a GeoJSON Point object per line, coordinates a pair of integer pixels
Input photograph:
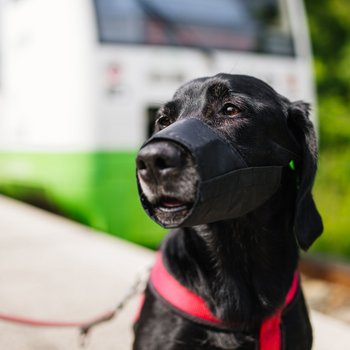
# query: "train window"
{"type": "Point", "coordinates": [256, 25]}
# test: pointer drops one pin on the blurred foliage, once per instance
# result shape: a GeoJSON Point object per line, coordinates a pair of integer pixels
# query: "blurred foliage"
{"type": "Point", "coordinates": [329, 23]}
{"type": "Point", "coordinates": [332, 196]}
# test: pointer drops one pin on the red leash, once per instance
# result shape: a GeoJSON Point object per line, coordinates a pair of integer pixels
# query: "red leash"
{"type": "Point", "coordinates": [84, 326]}
{"type": "Point", "coordinates": [59, 324]}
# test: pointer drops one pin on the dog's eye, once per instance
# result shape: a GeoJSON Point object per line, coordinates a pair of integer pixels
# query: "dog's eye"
{"type": "Point", "coordinates": [230, 110]}
{"type": "Point", "coordinates": [163, 121]}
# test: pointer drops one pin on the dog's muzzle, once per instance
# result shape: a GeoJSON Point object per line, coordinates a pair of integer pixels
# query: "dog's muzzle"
{"type": "Point", "coordinates": [227, 188]}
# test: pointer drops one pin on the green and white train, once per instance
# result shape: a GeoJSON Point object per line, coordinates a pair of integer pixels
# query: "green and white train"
{"type": "Point", "coordinates": [80, 82]}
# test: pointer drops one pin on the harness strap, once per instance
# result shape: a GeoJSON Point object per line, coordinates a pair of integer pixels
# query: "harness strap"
{"type": "Point", "coordinates": [270, 337]}
{"type": "Point", "coordinates": [177, 295]}
{"type": "Point", "coordinates": [194, 307]}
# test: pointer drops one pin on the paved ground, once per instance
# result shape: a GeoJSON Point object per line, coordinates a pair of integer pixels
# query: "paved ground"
{"type": "Point", "coordinates": [52, 268]}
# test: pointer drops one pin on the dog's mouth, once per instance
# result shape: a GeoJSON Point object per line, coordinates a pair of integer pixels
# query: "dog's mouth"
{"type": "Point", "coordinates": [172, 205]}
{"type": "Point", "coordinates": [171, 212]}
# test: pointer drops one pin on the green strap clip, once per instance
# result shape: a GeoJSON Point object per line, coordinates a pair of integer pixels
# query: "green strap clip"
{"type": "Point", "coordinates": [292, 165]}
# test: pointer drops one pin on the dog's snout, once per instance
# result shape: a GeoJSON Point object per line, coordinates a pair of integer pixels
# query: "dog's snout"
{"type": "Point", "coordinates": [159, 158]}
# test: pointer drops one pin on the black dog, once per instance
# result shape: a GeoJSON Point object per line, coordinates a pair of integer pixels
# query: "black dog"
{"type": "Point", "coordinates": [240, 267]}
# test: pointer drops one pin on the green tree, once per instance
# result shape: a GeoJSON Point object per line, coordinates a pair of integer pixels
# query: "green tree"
{"type": "Point", "coordinates": [329, 23]}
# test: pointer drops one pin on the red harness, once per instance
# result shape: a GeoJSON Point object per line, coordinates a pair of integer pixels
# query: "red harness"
{"type": "Point", "coordinates": [193, 306]}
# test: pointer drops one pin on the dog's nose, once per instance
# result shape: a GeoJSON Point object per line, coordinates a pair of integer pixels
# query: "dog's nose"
{"type": "Point", "coordinates": [158, 159]}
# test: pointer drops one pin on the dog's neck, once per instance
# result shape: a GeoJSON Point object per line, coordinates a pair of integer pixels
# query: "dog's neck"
{"type": "Point", "coordinates": [243, 268]}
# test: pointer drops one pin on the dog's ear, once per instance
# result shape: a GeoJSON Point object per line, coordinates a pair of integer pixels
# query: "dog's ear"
{"type": "Point", "coordinates": [307, 222]}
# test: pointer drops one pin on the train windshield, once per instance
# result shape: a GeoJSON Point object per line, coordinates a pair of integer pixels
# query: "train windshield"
{"type": "Point", "coordinates": [260, 26]}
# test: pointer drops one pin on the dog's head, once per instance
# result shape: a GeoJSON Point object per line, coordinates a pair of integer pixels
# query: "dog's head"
{"type": "Point", "coordinates": [237, 122]}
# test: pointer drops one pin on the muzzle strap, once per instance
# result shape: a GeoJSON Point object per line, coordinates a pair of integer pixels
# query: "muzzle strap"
{"type": "Point", "coordinates": [235, 194]}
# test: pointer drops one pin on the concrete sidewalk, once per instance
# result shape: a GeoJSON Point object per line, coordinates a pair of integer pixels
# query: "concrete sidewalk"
{"type": "Point", "coordinates": [52, 268]}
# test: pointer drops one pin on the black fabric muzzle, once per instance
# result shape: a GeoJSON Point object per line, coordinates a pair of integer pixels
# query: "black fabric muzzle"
{"type": "Point", "coordinates": [228, 188]}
